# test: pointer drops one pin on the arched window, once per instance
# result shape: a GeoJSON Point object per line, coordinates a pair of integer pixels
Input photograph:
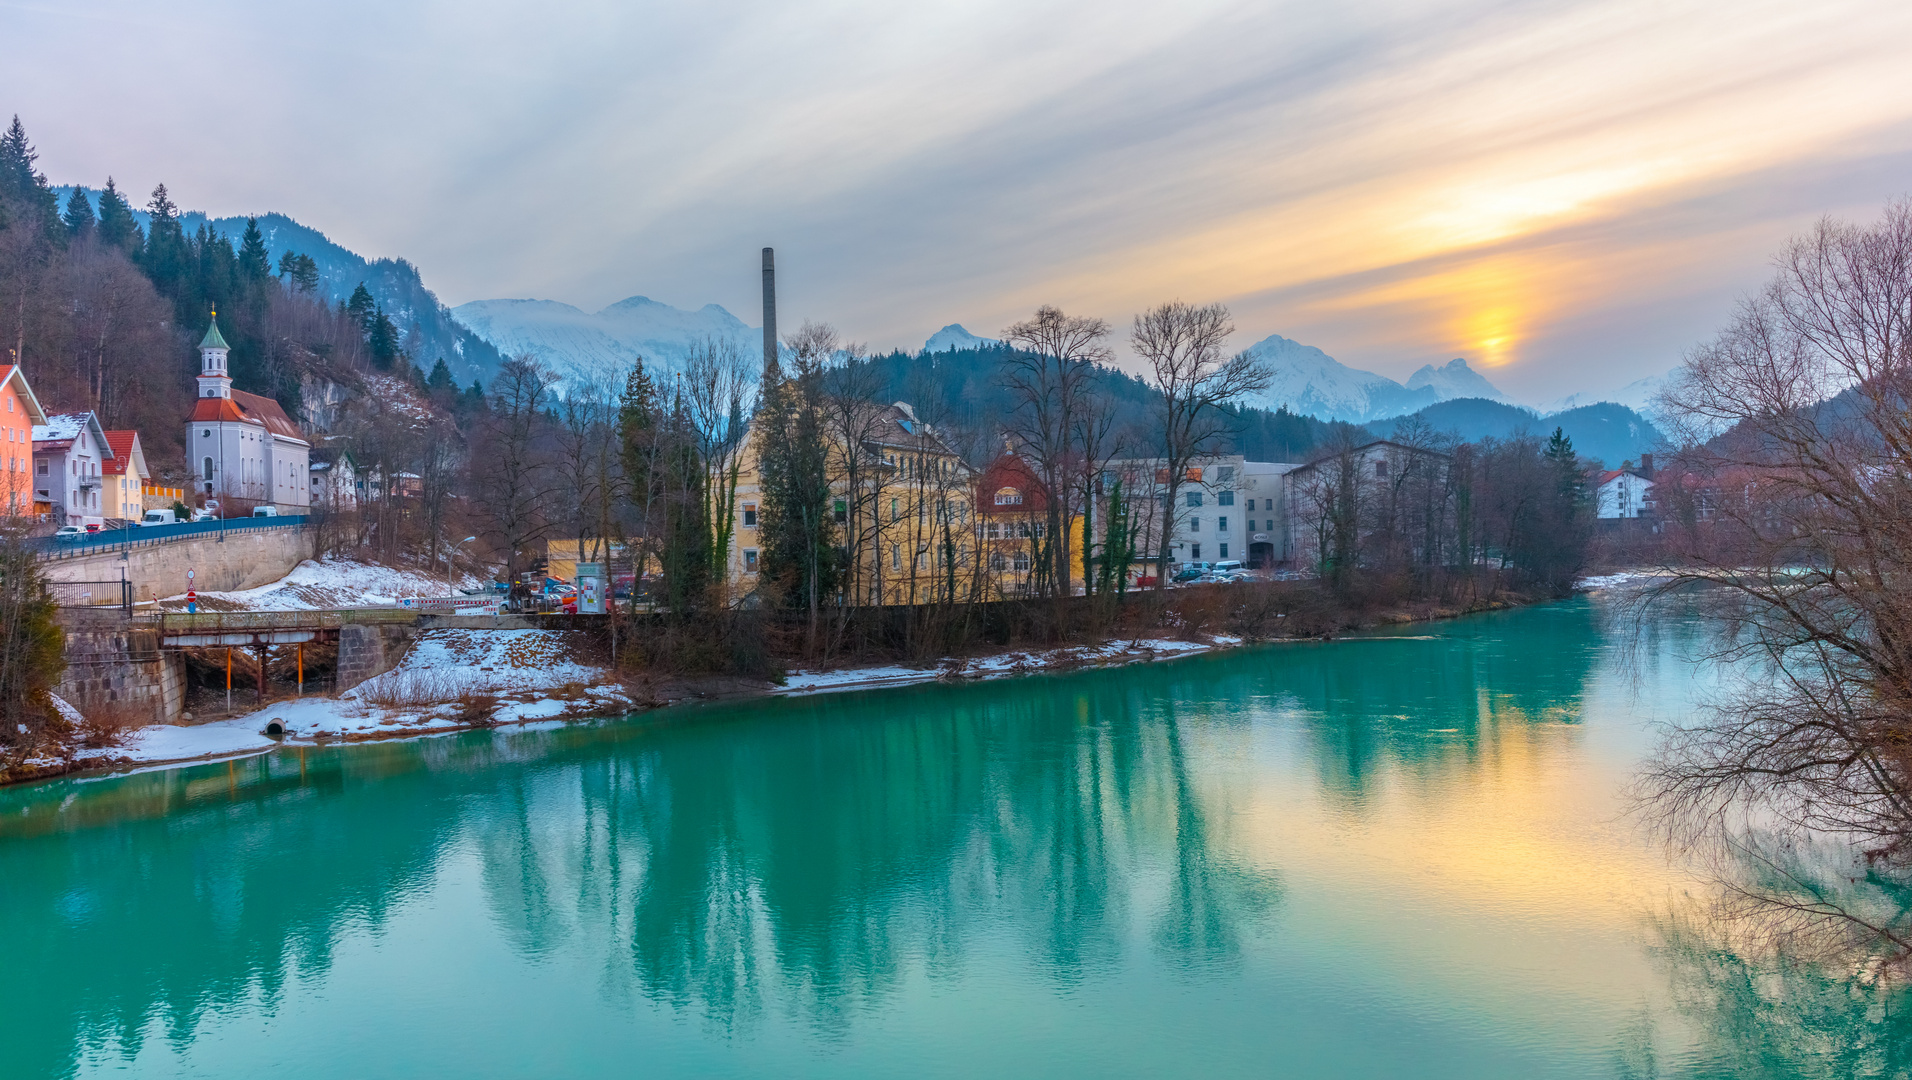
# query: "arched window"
{"type": "Point", "coordinates": [1008, 496]}
{"type": "Point", "coordinates": [209, 468]}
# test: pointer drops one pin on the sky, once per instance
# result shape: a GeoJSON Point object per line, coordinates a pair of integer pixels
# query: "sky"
{"type": "Point", "coordinates": [1569, 195]}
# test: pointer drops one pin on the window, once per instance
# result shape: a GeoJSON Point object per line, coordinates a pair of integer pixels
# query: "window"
{"type": "Point", "coordinates": [994, 531]}
{"type": "Point", "coordinates": [1251, 504]}
{"type": "Point", "coordinates": [1194, 551]}
{"type": "Point", "coordinates": [1194, 473]}
{"type": "Point", "coordinates": [842, 511]}
{"type": "Point", "coordinates": [1224, 473]}
{"type": "Point", "coordinates": [42, 464]}
{"type": "Point", "coordinates": [750, 560]}
{"type": "Point", "coordinates": [1022, 530]}
{"type": "Point", "coordinates": [209, 468]}
{"type": "Point", "coordinates": [1008, 497]}
{"type": "Point", "coordinates": [1022, 562]}
{"type": "Point", "coordinates": [1381, 469]}
{"type": "Point", "coordinates": [750, 521]}
{"type": "Point", "coordinates": [1221, 525]}
{"type": "Point", "coordinates": [1194, 498]}
{"type": "Point", "coordinates": [1224, 553]}
{"type": "Point", "coordinates": [997, 562]}
{"type": "Point", "coordinates": [1194, 524]}
{"type": "Point", "coordinates": [1226, 498]}
{"type": "Point", "coordinates": [896, 556]}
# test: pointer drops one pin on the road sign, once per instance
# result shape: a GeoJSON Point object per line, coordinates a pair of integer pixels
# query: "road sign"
{"type": "Point", "coordinates": [189, 575]}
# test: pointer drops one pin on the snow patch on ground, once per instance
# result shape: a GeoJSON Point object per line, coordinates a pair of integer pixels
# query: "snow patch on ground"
{"type": "Point", "coordinates": [1111, 654]}
{"type": "Point", "coordinates": [444, 665]}
{"type": "Point", "coordinates": [1609, 581]}
{"type": "Point", "coordinates": [330, 583]}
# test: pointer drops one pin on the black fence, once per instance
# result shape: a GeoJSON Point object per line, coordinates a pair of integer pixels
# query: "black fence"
{"type": "Point", "coordinates": [110, 540]}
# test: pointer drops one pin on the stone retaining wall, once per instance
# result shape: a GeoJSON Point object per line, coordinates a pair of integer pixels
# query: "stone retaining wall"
{"type": "Point", "coordinates": [247, 559]}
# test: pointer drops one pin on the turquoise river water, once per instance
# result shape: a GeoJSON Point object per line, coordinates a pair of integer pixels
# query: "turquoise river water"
{"type": "Point", "coordinates": [1399, 856]}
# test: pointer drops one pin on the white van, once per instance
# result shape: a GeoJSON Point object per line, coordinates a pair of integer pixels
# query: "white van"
{"type": "Point", "coordinates": [159, 517]}
{"type": "Point", "coordinates": [265, 511]}
{"type": "Point", "coordinates": [1227, 566]}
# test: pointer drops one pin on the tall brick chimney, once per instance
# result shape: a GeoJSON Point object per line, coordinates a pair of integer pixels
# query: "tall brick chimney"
{"type": "Point", "coordinates": [769, 310]}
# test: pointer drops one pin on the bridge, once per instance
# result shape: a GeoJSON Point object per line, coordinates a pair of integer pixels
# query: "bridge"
{"type": "Point", "coordinates": [209, 629]}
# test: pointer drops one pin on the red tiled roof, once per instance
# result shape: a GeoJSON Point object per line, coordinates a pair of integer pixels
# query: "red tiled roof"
{"type": "Point", "coordinates": [121, 443]}
{"type": "Point", "coordinates": [1010, 471]}
{"type": "Point", "coordinates": [247, 408]}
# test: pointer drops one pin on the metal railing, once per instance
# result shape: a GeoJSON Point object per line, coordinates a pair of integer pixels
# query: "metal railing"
{"type": "Point", "coordinates": [214, 622]}
{"type": "Point", "coordinates": [106, 542]}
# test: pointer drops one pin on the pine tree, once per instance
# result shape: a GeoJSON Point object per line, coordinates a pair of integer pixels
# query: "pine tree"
{"type": "Point", "coordinates": [79, 215]}
{"type": "Point", "coordinates": [165, 256]}
{"type": "Point", "coordinates": [439, 382]}
{"type": "Point", "coordinates": [20, 183]}
{"type": "Point", "coordinates": [301, 272]}
{"type": "Point", "coordinates": [361, 307]}
{"type": "Point", "coordinates": [255, 265]}
{"type": "Point", "coordinates": [117, 227]}
{"type": "Point", "coordinates": [383, 340]}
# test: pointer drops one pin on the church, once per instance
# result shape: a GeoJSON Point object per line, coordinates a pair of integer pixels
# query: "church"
{"type": "Point", "coordinates": [244, 450]}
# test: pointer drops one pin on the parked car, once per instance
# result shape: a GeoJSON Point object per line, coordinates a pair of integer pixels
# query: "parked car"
{"type": "Point", "coordinates": [204, 515]}
{"type": "Point", "coordinates": [158, 517]}
{"type": "Point", "coordinates": [1188, 573]}
{"type": "Point", "coordinates": [68, 534]}
{"type": "Point", "coordinates": [265, 511]}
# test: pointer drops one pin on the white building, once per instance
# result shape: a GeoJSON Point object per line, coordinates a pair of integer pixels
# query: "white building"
{"type": "Point", "coordinates": [1622, 494]}
{"type": "Point", "coordinates": [1228, 508]}
{"type": "Point", "coordinates": [336, 484]}
{"type": "Point", "coordinates": [243, 448]}
{"type": "Point", "coordinates": [69, 455]}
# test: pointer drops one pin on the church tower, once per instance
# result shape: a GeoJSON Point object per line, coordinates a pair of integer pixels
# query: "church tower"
{"type": "Point", "coordinates": [214, 382]}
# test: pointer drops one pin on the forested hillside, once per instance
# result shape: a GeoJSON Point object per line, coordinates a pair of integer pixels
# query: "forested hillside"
{"type": "Point", "coordinates": [103, 303]}
{"type": "Point", "coordinates": [966, 390]}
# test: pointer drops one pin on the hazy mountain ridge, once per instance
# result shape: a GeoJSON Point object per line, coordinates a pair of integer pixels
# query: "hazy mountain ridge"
{"type": "Point", "coordinates": [1607, 431]}
{"type": "Point", "coordinates": [1311, 382]}
{"type": "Point", "coordinates": [597, 348]}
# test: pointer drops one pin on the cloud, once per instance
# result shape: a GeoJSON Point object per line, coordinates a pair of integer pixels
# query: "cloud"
{"type": "Point", "coordinates": [1548, 188]}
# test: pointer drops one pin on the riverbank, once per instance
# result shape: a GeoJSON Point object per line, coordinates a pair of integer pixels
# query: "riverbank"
{"type": "Point", "coordinates": [459, 680]}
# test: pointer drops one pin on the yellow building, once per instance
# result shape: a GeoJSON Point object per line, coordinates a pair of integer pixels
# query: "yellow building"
{"type": "Point", "coordinates": [123, 477]}
{"type": "Point", "coordinates": [901, 504]}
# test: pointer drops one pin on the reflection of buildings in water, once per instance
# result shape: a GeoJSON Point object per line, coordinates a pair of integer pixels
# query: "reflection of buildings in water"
{"type": "Point", "coordinates": [814, 861]}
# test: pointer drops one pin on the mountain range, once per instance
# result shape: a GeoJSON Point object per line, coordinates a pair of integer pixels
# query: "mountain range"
{"type": "Point", "coordinates": [596, 348]}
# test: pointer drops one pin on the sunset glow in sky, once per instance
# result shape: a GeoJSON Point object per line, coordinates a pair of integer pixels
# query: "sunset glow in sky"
{"type": "Point", "coordinates": [1568, 194]}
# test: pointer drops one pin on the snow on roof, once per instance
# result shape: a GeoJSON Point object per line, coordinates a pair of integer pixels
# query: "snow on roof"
{"type": "Point", "coordinates": [60, 426]}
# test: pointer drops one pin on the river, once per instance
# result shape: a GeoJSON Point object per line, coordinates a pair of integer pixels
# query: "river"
{"type": "Point", "coordinates": [1397, 856]}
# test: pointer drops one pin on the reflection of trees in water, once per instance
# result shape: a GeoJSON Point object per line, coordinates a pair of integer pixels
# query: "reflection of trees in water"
{"type": "Point", "coordinates": [181, 892]}
{"type": "Point", "coordinates": [1429, 703]}
{"type": "Point", "coordinates": [1763, 1012]}
{"type": "Point", "coordinates": [812, 861]}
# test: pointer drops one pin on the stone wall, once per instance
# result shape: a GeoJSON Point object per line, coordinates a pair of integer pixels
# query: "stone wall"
{"type": "Point", "coordinates": [112, 665]}
{"type": "Point", "coordinates": [247, 559]}
{"type": "Point", "coordinates": [365, 651]}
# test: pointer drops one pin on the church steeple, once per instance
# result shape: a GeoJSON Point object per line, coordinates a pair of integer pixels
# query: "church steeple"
{"type": "Point", "coordinates": [214, 382]}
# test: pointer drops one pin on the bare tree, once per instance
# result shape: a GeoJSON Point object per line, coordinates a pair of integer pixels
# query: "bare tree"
{"type": "Point", "coordinates": [1194, 380]}
{"type": "Point", "coordinates": [513, 461]}
{"type": "Point", "coordinates": [720, 390]}
{"type": "Point", "coordinates": [1050, 374]}
{"type": "Point", "coordinates": [1791, 502]}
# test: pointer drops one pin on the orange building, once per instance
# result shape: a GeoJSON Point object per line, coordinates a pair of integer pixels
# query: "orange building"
{"type": "Point", "coordinates": [19, 412]}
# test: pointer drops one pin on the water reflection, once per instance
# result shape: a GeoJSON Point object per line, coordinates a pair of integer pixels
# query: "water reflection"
{"type": "Point", "coordinates": [799, 860]}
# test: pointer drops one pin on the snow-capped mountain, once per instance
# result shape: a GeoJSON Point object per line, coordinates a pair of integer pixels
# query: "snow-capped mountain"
{"type": "Point", "coordinates": [953, 337]}
{"type": "Point", "coordinates": [1454, 379]}
{"type": "Point", "coordinates": [1637, 395]}
{"type": "Point", "coordinates": [597, 348]}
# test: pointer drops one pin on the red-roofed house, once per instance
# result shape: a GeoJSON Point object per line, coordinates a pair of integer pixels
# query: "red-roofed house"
{"type": "Point", "coordinates": [122, 495]}
{"type": "Point", "coordinates": [1625, 493]}
{"type": "Point", "coordinates": [243, 446]}
{"type": "Point", "coordinates": [19, 412]}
